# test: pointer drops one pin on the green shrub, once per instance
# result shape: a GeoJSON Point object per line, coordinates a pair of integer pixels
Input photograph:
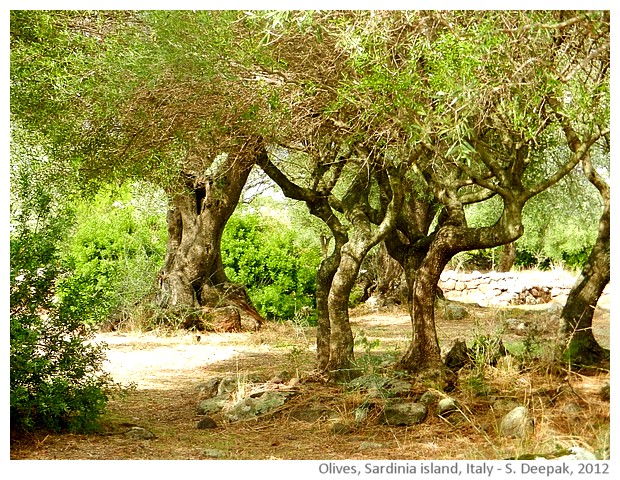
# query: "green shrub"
{"type": "Point", "coordinates": [355, 298]}
{"type": "Point", "coordinates": [56, 378]}
{"type": "Point", "coordinates": [268, 257]}
{"type": "Point", "coordinates": [115, 253]}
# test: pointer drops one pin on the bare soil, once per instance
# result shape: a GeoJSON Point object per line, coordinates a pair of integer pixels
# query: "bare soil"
{"type": "Point", "coordinates": [166, 369]}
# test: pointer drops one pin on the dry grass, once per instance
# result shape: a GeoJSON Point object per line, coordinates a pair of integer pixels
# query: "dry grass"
{"type": "Point", "coordinates": [166, 370]}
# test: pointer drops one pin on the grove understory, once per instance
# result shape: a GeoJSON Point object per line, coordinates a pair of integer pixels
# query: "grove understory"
{"type": "Point", "coordinates": [166, 370]}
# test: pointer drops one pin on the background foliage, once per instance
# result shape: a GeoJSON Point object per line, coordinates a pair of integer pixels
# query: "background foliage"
{"type": "Point", "coordinates": [275, 261]}
{"type": "Point", "coordinates": [560, 227]}
{"type": "Point", "coordinates": [117, 248]}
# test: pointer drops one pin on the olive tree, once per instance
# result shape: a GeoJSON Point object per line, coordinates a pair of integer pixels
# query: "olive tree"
{"type": "Point", "coordinates": [500, 115]}
{"type": "Point", "coordinates": [126, 95]}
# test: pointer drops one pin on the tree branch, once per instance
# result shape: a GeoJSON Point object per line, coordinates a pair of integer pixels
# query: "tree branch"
{"type": "Point", "coordinates": [579, 149]}
{"type": "Point", "coordinates": [290, 189]}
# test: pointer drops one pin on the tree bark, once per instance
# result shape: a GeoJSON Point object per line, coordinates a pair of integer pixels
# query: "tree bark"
{"type": "Point", "coordinates": [389, 273]}
{"type": "Point", "coordinates": [360, 240]}
{"type": "Point", "coordinates": [578, 312]}
{"type": "Point", "coordinates": [423, 351]}
{"type": "Point", "coordinates": [324, 279]}
{"type": "Point", "coordinates": [338, 272]}
{"type": "Point", "coordinates": [426, 260]}
{"type": "Point", "coordinates": [509, 254]}
{"type": "Point", "coordinates": [341, 336]}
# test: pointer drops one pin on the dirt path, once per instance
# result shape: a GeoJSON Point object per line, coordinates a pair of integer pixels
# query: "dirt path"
{"type": "Point", "coordinates": [167, 370]}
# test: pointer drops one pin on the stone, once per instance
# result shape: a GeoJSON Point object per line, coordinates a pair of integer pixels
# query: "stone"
{"type": "Point", "coordinates": [504, 405]}
{"type": "Point", "coordinates": [446, 406]}
{"type": "Point", "coordinates": [455, 312]}
{"type": "Point", "coordinates": [447, 275]}
{"type": "Point", "coordinates": [517, 326]}
{"type": "Point", "coordinates": [212, 405]}
{"type": "Point", "coordinates": [514, 287]}
{"type": "Point", "coordinates": [206, 423]}
{"type": "Point", "coordinates": [517, 423]}
{"type": "Point", "coordinates": [251, 407]}
{"type": "Point", "coordinates": [504, 298]}
{"type": "Point", "coordinates": [477, 297]}
{"type": "Point", "coordinates": [210, 388]}
{"type": "Point", "coordinates": [373, 302]}
{"type": "Point", "coordinates": [500, 288]}
{"type": "Point", "coordinates": [214, 453]}
{"type": "Point", "coordinates": [398, 387]}
{"type": "Point", "coordinates": [428, 397]}
{"type": "Point", "coordinates": [486, 288]}
{"type": "Point", "coordinates": [227, 385]}
{"type": "Point", "coordinates": [410, 413]}
{"type": "Point", "coordinates": [360, 413]}
{"type": "Point", "coordinates": [555, 291]}
{"type": "Point", "coordinates": [458, 356]}
{"type": "Point", "coordinates": [369, 382]}
{"type": "Point", "coordinates": [605, 392]}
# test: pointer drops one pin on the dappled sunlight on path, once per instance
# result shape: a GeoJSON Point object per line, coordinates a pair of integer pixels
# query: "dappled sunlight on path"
{"type": "Point", "coordinates": [151, 361]}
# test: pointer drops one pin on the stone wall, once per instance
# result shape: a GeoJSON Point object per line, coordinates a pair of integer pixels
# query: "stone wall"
{"type": "Point", "coordinates": [510, 288]}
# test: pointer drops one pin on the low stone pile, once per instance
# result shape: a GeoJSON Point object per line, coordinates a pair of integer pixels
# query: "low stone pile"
{"type": "Point", "coordinates": [233, 399]}
{"type": "Point", "coordinates": [384, 400]}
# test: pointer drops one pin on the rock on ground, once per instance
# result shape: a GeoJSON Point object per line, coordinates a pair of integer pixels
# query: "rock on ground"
{"type": "Point", "coordinates": [517, 423]}
{"type": "Point", "coordinates": [411, 413]}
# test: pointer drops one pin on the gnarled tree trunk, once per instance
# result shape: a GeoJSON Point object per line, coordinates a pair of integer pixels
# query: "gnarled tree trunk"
{"type": "Point", "coordinates": [324, 278]}
{"type": "Point", "coordinates": [340, 338]}
{"type": "Point", "coordinates": [423, 351]}
{"type": "Point", "coordinates": [361, 239]}
{"type": "Point", "coordinates": [425, 263]}
{"type": "Point", "coordinates": [197, 216]}
{"type": "Point", "coordinates": [338, 271]}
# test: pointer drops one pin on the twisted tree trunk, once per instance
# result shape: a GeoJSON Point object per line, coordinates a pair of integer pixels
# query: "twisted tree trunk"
{"type": "Point", "coordinates": [426, 260]}
{"type": "Point", "coordinates": [362, 237]}
{"type": "Point", "coordinates": [324, 279]}
{"type": "Point", "coordinates": [197, 216]}
{"type": "Point", "coordinates": [423, 352]}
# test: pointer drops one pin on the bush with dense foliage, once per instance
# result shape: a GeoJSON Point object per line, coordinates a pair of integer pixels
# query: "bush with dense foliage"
{"type": "Point", "coordinates": [270, 257]}
{"type": "Point", "coordinates": [117, 249]}
{"type": "Point", "coordinates": [56, 376]}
